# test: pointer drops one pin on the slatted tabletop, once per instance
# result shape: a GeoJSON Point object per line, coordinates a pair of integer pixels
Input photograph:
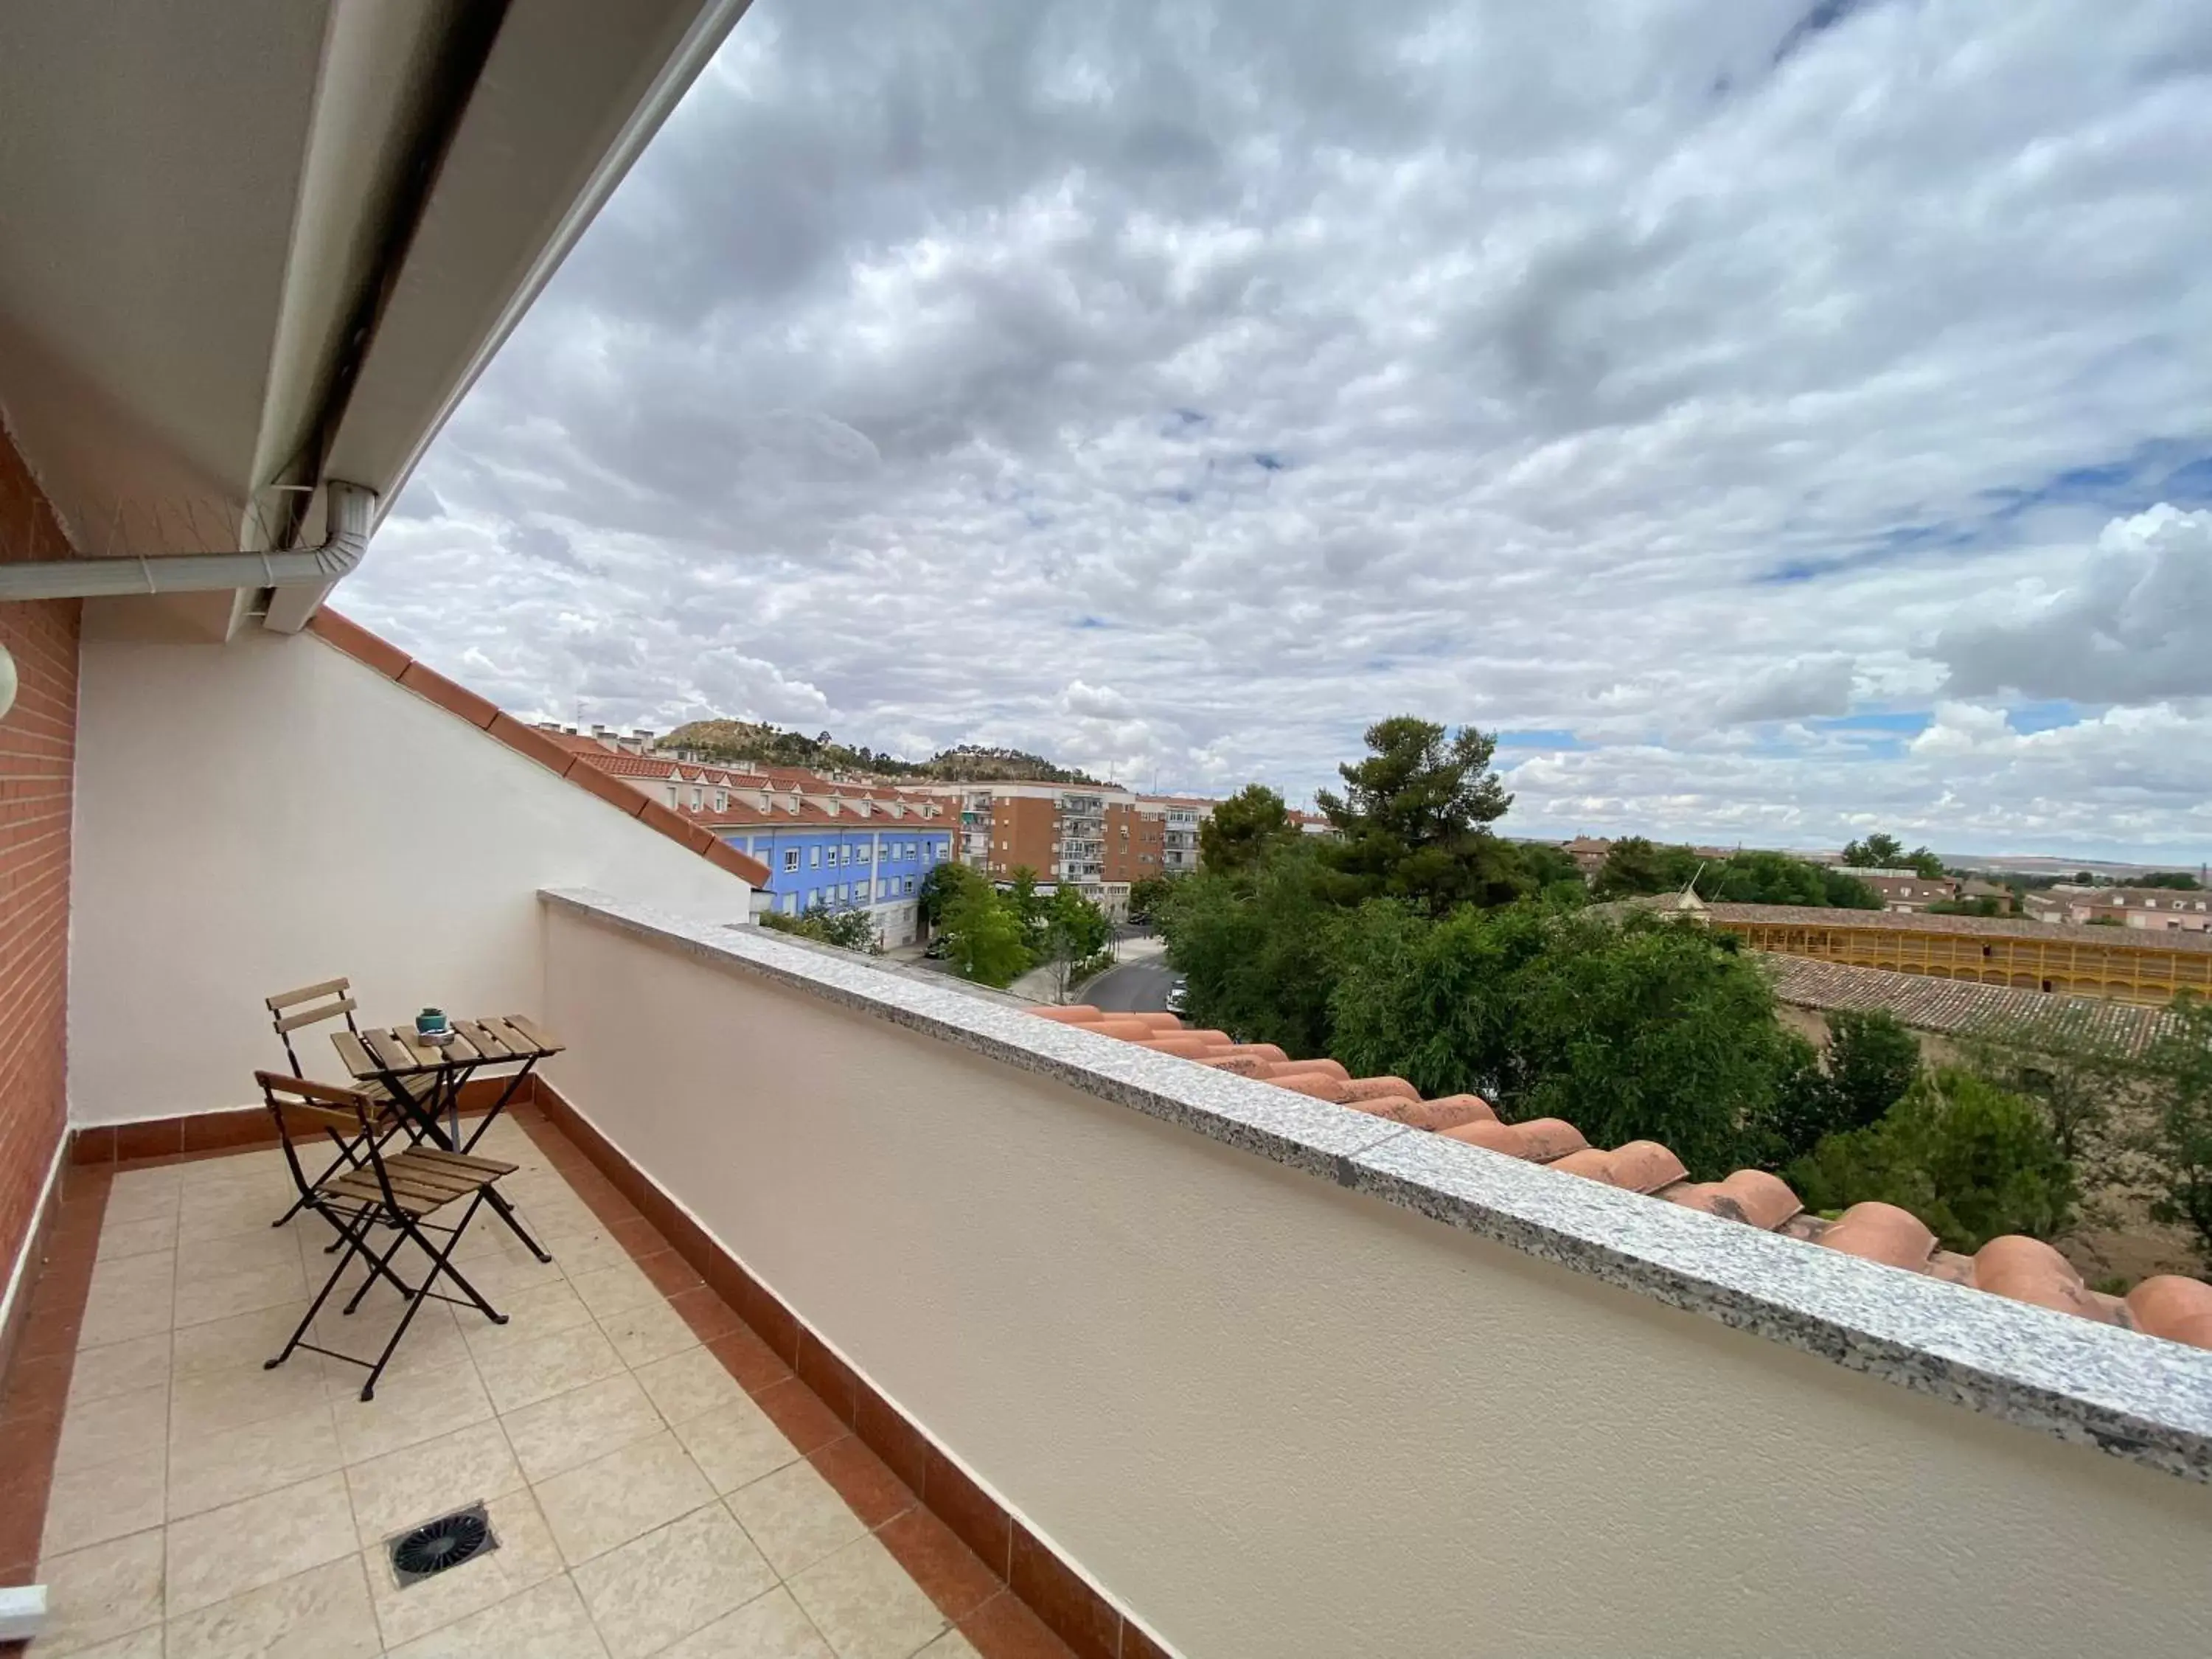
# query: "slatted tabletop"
{"type": "Point", "coordinates": [399, 1051]}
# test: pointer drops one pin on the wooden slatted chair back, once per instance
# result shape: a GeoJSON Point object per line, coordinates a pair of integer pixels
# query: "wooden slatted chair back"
{"type": "Point", "coordinates": [303, 1106]}
{"type": "Point", "coordinates": [310, 1004]}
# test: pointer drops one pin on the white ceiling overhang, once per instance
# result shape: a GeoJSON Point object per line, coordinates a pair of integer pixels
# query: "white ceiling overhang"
{"type": "Point", "coordinates": [250, 245]}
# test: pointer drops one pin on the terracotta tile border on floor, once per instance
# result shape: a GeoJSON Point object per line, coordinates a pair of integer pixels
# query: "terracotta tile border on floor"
{"type": "Point", "coordinates": [39, 1358]}
{"type": "Point", "coordinates": [1003, 1588]}
{"type": "Point", "coordinates": [217, 1134]}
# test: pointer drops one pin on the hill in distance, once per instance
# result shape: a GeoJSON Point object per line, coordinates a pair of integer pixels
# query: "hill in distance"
{"type": "Point", "coordinates": [736, 742]}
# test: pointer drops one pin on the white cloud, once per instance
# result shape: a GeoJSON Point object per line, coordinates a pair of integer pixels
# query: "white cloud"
{"type": "Point", "coordinates": [1793, 691]}
{"type": "Point", "coordinates": [941, 371]}
{"type": "Point", "coordinates": [2134, 624]}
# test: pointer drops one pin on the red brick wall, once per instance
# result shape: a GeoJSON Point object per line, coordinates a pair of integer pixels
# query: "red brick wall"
{"type": "Point", "coordinates": [38, 750]}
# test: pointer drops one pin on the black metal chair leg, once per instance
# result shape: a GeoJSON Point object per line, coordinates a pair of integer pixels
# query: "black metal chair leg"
{"type": "Point", "coordinates": [381, 1266]}
{"type": "Point", "coordinates": [360, 1248]}
{"type": "Point", "coordinates": [441, 1266]}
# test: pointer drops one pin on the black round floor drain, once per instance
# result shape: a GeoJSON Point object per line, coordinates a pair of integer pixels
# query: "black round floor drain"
{"type": "Point", "coordinates": [436, 1546]}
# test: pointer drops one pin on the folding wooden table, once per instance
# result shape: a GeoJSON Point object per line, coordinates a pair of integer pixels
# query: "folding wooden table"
{"type": "Point", "coordinates": [425, 1079]}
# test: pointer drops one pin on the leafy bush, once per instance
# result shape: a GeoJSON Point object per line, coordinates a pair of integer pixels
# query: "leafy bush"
{"type": "Point", "coordinates": [2176, 1148]}
{"type": "Point", "coordinates": [849, 930]}
{"type": "Point", "coordinates": [1646, 1031]}
{"type": "Point", "coordinates": [1871, 1060]}
{"type": "Point", "coordinates": [1256, 950]}
{"type": "Point", "coordinates": [1969, 1158]}
{"type": "Point", "coordinates": [984, 931]}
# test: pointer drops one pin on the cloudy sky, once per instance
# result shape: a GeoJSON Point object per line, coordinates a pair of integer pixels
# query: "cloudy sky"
{"type": "Point", "coordinates": [1774, 419]}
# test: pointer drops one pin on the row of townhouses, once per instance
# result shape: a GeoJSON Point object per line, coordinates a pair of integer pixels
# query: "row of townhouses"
{"type": "Point", "coordinates": [2160, 908]}
{"type": "Point", "coordinates": [844, 842]}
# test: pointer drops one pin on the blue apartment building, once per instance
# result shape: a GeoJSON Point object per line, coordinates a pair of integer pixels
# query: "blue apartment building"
{"type": "Point", "coordinates": [876, 862]}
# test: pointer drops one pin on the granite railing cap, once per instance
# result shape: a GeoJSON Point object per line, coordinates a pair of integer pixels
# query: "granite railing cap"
{"type": "Point", "coordinates": [2129, 1395]}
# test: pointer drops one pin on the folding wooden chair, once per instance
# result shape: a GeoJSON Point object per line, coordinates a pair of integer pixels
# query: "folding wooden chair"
{"type": "Point", "coordinates": [397, 1190]}
{"type": "Point", "coordinates": [330, 1000]}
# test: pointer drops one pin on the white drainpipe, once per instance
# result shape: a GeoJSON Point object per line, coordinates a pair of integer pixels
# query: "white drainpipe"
{"type": "Point", "coordinates": [350, 509]}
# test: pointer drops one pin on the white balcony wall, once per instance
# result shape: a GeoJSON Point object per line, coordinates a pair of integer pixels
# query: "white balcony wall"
{"type": "Point", "coordinates": [1274, 1418]}
{"type": "Point", "coordinates": [270, 813]}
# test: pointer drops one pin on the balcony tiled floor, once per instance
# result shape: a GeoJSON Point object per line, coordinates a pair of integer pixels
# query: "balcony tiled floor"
{"type": "Point", "coordinates": [659, 1482]}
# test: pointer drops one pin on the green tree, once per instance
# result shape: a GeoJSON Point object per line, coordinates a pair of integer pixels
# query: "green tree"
{"type": "Point", "coordinates": [1240, 831]}
{"type": "Point", "coordinates": [1413, 821]}
{"type": "Point", "coordinates": [1028, 907]}
{"type": "Point", "coordinates": [1885, 852]}
{"type": "Point", "coordinates": [2178, 879]}
{"type": "Point", "coordinates": [1076, 937]}
{"type": "Point", "coordinates": [1872, 1058]}
{"type": "Point", "coordinates": [1635, 866]}
{"type": "Point", "coordinates": [1551, 871]}
{"type": "Point", "coordinates": [1972, 1160]}
{"type": "Point", "coordinates": [849, 930]}
{"type": "Point", "coordinates": [945, 883]}
{"type": "Point", "coordinates": [1638, 1030]}
{"type": "Point", "coordinates": [1257, 951]}
{"type": "Point", "coordinates": [2175, 1149]}
{"type": "Point", "coordinates": [984, 936]}
{"type": "Point", "coordinates": [1148, 895]}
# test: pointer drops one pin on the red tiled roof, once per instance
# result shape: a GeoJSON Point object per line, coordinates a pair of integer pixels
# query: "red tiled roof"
{"type": "Point", "coordinates": [389, 660]}
{"type": "Point", "coordinates": [1961, 1006]}
{"type": "Point", "coordinates": [2170, 1306]}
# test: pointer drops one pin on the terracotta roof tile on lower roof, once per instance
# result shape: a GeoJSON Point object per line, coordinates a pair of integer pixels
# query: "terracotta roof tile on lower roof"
{"type": "Point", "coordinates": [2175, 1307]}
{"type": "Point", "coordinates": [395, 664]}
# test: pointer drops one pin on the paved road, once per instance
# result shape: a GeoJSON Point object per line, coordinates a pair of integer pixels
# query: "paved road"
{"type": "Point", "coordinates": [1133, 987]}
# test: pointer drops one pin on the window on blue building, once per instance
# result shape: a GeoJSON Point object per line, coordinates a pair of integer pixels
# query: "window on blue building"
{"type": "Point", "coordinates": [814, 857]}
{"type": "Point", "coordinates": [790, 859]}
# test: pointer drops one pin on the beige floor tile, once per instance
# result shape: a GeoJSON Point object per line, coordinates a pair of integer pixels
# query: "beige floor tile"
{"type": "Point", "coordinates": [529, 1371]}
{"type": "Point", "coordinates": [218, 1401]}
{"type": "Point", "coordinates": [121, 1238]}
{"type": "Point", "coordinates": [587, 1251]}
{"type": "Point", "coordinates": [219, 1554]}
{"type": "Point", "coordinates": [119, 1367]}
{"type": "Point", "coordinates": [134, 1192]}
{"type": "Point", "coordinates": [106, 1500]}
{"type": "Point", "coordinates": [601, 1505]}
{"type": "Point", "coordinates": [239, 1211]}
{"type": "Point", "coordinates": [121, 1426]}
{"type": "Point", "coordinates": [207, 1471]}
{"type": "Point", "coordinates": [433, 1340]}
{"type": "Point", "coordinates": [795, 1516]}
{"type": "Point", "coordinates": [735, 1445]}
{"type": "Point", "coordinates": [402, 1489]}
{"type": "Point", "coordinates": [98, 1593]}
{"type": "Point", "coordinates": [408, 1408]}
{"type": "Point", "coordinates": [525, 1557]}
{"type": "Point", "coordinates": [139, 1644]}
{"type": "Point", "coordinates": [862, 1602]}
{"type": "Point", "coordinates": [610, 1289]}
{"type": "Point", "coordinates": [689, 1384]}
{"type": "Point", "coordinates": [548, 1622]}
{"type": "Point", "coordinates": [124, 1275]}
{"type": "Point", "coordinates": [532, 1315]}
{"type": "Point", "coordinates": [323, 1612]}
{"type": "Point", "coordinates": [505, 1273]}
{"type": "Point", "coordinates": [770, 1626]}
{"type": "Point", "coordinates": [131, 1305]}
{"type": "Point", "coordinates": [574, 1428]}
{"type": "Point", "coordinates": [663, 1586]}
{"type": "Point", "coordinates": [951, 1646]}
{"type": "Point", "coordinates": [647, 1332]}
{"type": "Point", "coordinates": [238, 1252]}
{"type": "Point", "coordinates": [239, 1343]}
{"type": "Point", "coordinates": [203, 1297]}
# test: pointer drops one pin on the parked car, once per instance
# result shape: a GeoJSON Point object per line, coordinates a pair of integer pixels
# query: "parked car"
{"type": "Point", "coordinates": [1178, 996]}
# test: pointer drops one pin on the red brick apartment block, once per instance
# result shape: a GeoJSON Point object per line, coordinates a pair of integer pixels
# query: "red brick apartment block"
{"type": "Point", "coordinates": [38, 751]}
